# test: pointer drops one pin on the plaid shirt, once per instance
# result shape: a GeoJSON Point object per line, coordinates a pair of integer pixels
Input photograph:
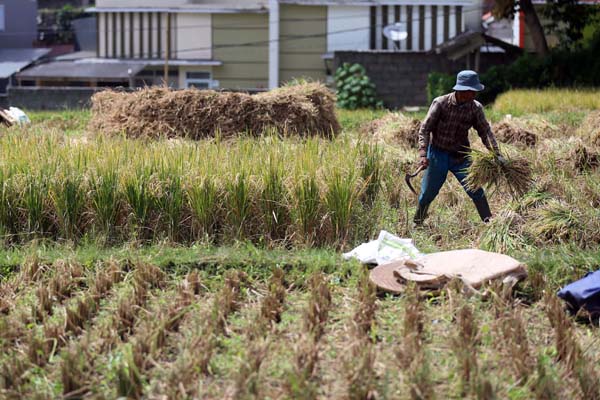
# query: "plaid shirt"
{"type": "Point", "coordinates": [449, 123]}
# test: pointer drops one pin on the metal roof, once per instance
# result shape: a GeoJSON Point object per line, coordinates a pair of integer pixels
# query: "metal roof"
{"type": "Point", "coordinates": [87, 57]}
{"type": "Point", "coordinates": [14, 60]}
{"type": "Point", "coordinates": [82, 70]}
{"type": "Point", "coordinates": [179, 10]}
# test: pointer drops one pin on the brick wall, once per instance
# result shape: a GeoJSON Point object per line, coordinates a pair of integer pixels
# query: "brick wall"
{"type": "Point", "coordinates": [401, 78]}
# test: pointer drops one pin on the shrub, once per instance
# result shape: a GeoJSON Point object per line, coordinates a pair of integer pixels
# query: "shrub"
{"type": "Point", "coordinates": [354, 88]}
{"type": "Point", "coordinates": [561, 68]}
{"type": "Point", "coordinates": [438, 84]}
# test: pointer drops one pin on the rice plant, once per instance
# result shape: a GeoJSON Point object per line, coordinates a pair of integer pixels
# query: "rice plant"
{"type": "Point", "coordinates": [34, 201]}
{"type": "Point", "coordinates": [307, 207]}
{"type": "Point", "coordinates": [340, 200]}
{"type": "Point", "coordinates": [203, 199]}
{"type": "Point", "coordinates": [139, 198]}
{"type": "Point", "coordinates": [371, 172]}
{"type": "Point", "coordinates": [170, 203]}
{"type": "Point", "coordinates": [67, 195]}
{"type": "Point", "coordinates": [105, 200]}
{"type": "Point", "coordinates": [9, 217]}
{"type": "Point", "coordinates": [239, 204]}
{"type": "Point", "coordinates": [273, 203]}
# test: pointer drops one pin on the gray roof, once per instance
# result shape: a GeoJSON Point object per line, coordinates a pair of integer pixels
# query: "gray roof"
{"type": "Point", "coordinates": [14, 60]}
{"type": "Point", "coordinates": [82, 70]}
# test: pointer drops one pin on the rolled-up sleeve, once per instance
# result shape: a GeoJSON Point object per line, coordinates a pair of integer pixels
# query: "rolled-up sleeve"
{"type": "Point", "coordinates": [428, 125]}
{"type": "Point", "coordinates": [484, 130]}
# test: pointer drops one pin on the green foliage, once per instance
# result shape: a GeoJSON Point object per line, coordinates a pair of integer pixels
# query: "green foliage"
{"type": "Point", "coordinates": [439, 84]}
{"type": "Point", "coordinates": [561, 68]}
{"type": "Point", "coordinates": [354, 88]}
{"type": "Point", "coordinates": [568, 19]}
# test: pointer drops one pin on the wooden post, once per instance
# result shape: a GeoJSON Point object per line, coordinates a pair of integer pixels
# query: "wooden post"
{"type": "Point", "coordinates": [168, 50]}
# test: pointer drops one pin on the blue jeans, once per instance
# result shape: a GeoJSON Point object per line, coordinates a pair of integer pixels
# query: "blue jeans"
{"type": "Point", "coordinates": [440, 162]}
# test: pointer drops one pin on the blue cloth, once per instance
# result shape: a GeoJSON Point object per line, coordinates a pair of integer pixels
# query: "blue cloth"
{"type": "Point", "coordinates": [440, 162]}
{"type": "Point", "coordinates": [468, 80]}
{"type": "Point", "coordinates": [583, 293]}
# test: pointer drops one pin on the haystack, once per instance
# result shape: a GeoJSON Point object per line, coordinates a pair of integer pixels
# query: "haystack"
{"type": "Point", "coordinates": [584, 159]}
{"type": "Point", "coordinates": [303, 110]}
{"type": "Point", "coordinates": [590, 128]}
{"type": "Point", "coordinates": [394, 128]}
{"type": "Point", "coordinates": [508, 131]}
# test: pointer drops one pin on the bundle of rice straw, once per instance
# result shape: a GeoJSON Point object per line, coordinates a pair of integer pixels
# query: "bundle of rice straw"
{"type": "Point", "coordinates": [303, 110]}
{"type": "Point", "coordinates": [590, 128]}
{"type": "Point", "coordinates": [507, 131]}
{"type": "Point", "coordinates": [584, 159]}
{"type": "Point", "coordinates": [487, 171]}
{"type": "Point", "coordinates": [394, 127]}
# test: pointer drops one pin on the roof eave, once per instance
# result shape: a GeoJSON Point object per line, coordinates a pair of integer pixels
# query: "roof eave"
{"type": "Point", "coordinates": [178, 10]}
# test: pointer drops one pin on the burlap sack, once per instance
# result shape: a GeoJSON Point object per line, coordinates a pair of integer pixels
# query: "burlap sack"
{"type": "Point", "coordinates": [474, 267]}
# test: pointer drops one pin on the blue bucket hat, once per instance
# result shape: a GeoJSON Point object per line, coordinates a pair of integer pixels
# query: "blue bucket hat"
{"type": "Point", "coordinates": [468, 80]}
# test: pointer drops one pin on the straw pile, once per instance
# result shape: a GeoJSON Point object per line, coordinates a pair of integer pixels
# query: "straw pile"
{"type": "Point", "coordinates": [590, 128]}
{"type": "Point", "coordinates": [584, 159]}
{"type": "Point", "coordinates": [508, 131]}
{"type": "Point", "coordinates": [303, 110]}
{"type": "Point", "coordinates": [485, 170]}
{"type": "Point", "coordinates": [394, 128]}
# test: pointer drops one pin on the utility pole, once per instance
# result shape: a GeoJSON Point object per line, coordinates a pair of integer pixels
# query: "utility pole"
{"type": "Point", "coordinates": [168, 50]}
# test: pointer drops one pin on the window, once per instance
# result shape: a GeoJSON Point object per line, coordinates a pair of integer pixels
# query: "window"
{"type": "Point", "coordinates": [199, 80]}
{"type": "Point", "coordinates": [2, 18]}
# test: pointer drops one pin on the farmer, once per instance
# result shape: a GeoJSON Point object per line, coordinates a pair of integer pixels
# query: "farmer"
{"type": "Point", "coordinates": [444, 142]}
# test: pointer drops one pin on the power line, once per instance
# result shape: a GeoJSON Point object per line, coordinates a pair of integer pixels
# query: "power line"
{"type": "Point", "coordinates": [284, 39]}
{"type": "Point", "coordinates": [465, 10]}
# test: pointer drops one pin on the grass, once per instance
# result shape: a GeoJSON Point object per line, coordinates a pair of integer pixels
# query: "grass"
{"type": "Point", "coordinates": [519, 102]}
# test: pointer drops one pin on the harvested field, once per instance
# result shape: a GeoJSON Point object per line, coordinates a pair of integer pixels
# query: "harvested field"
{"type": "Point", "coordinates": [297, 110]}
{"type": "Point", "coordinates": [178, 268]}
{"type": "Point", "coordinates": [508, 131]}
{"type": "Point", "coordinates": [132, 330]}
{"type": "Point", "coordinates": [394, 128]}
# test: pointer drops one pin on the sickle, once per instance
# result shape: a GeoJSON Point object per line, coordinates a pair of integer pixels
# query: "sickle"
{"type": "Point", "coordinates": [408, 177]}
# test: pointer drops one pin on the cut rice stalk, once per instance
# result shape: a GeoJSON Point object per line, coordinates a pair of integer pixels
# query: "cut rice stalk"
{"type": "Point", "coordinates": [487, 171]}
{"type": "Point", "coordinates": [557, 221]}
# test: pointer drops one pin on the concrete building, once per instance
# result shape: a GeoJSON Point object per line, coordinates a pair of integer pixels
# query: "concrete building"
{"type": "Point", "coordinates": [18, 30]}
{"type": "Point", "coordinates": [247, 44]}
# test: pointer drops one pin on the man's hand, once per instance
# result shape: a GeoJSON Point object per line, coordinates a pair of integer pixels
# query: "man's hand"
{"type": "Point", "coordinates": [501, 160]}
{"type": "Point", "coordinates": [423, 162]}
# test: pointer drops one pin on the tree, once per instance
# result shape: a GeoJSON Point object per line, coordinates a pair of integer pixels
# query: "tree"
{"type": "Point", "coordinates": [507, 8]}
{"type": "Point", "coordinates": [567, 17]}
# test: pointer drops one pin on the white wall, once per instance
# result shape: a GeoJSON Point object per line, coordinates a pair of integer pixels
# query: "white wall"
{"type": "Point", "coordinates": [182, 3]}
{"type": "Point", "coordinates": [472, 15]}
{"type": "Point", "coordinates": [348, 18]}
{"type": "Point", "coordinates": [194, 33]}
